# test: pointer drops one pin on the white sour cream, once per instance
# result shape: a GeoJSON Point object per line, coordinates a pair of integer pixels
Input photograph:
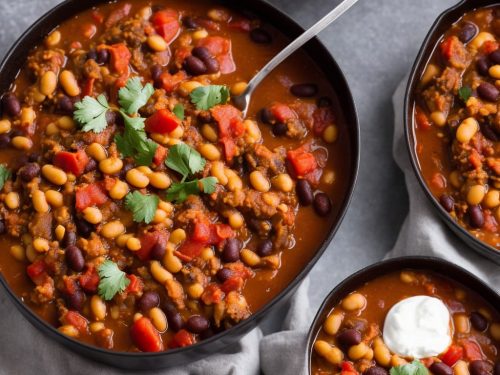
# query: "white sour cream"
{"type": "Point", "coordinates": [418, 327]}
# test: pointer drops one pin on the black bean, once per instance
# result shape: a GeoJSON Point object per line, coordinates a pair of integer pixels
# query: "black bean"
{"type": "Point", "coordinates": [376, 370]}
{"type": "Point", "coordinates": [476, 217]}
{"type": "Point", "coordinates": [488, 132]}
{"type": "Point", "coordinates": [69, 238]}
{"type": "Point", "coordinates": [488, 92]}
{"type": "Point", "coordinates": [83, 227]}
{"type": "Point", "coordinates": [349, 337]}
{"type": "Point", "coordinates": [197, 324]}
{"type": "Point", "coordinates": [265, 248]}
{"type": "Point", "coordinates": [304, 90]}
{"type": "Point", "coordinates": [223, 274]}
{"type": "Point", "coordinates": [266, 116]}
{"type": "Point", "coordinates": [111, 117]}
{"type": "Point", "coordinates": [212, 65]}
{"type": "Point", "coordinates": [2, 227]}
{"type": "Point", "coordinates": [148, 301]}
{"type": "Point", "coordinates": [92, 55]}
{"type": "Point", "coordinates": [467, 32]}
{"type": "Point", "coordinates": [16, 132]}
{"type": "Point", "coordinates": [324, 101]}
{"type": "Point", "coordinates": [279, 129]}
{"type": "Point", "coordinates": [156, 71]}
{"type": "Point", "coordinates": [202, 53]}
{"type": "Point", "coordinates": [322, 204]}
{"type": "Point", "coordinates": [91, 166]}
{"type": "Point", "coordinates": [102, 56]}
{"type": "Point", "coordinates": [496, 369]}
{"type": "Point", "coordinates": [29, 172]}
{"type": "Point", "coordinates": [65, 104]}
{"type": "Point", "coordinates": [441, 368]}
{"type": "Point", "coordinates": [304, 192]}
{"type": "Point", "coordinates": [74, 258]}
{"type": "Point", "coordinates": [190, 22]}
{"type": "Point", "coordinates": [33, 157]}
{"type": "Point", "coordinates": [260, 36]}
{"type": "Point", "coordinates": [447, 202]}
{"type": "Point", "coordinates": [231, 252]}
{"type": "Point", "coordinates": [76, 300]}
{"type": "Point", "coordinates": [11, 105]}
{"type": "Point", "coordinates": [194, 66]}
{"type": "Point", "coordinates": [483, 66]}
{"type": "Point", "coordinates": [478, 321]}
{"type": "Point", "coordinates": [480, 367]}
{"type": "Point", "coordinates": [4, 140]}
{"type": "Point", "coordinates": [174, 319]}
{"type": "Point", "coordinates": [158, 251]}
{"type": "Point", "coordinates": [495, 56]}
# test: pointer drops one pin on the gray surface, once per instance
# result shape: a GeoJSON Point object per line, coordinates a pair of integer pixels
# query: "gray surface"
{"type": "Point", "coordinates": [375, 44]}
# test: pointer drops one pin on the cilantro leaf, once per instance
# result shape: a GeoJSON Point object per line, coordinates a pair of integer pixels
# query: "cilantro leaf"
{"type": "Point", "coordinates": [185, 160]}
{"type": "Point", "coordinates": [142, 206]}
{"type": "Point", "coordinates": [179, 111]}
{"type": "Point", "coordinates": [414, 368]}
{"type": "Point", "coordinates": [465, 93]}
{"type": "Point", "coordinates": [133, 96]}
{"type": "Point", "coordinates": [112, 280]}
{"type": "Point", "coordinates": [4, 175]}
{"type": "Point", "coordinates": [179, 191]}
{"type": "Point", "coordinates": [209, 184]}
{"type": "Point", "coordinates": [205, 97]}
{"type": "Point", "coordinates": [91, 113]}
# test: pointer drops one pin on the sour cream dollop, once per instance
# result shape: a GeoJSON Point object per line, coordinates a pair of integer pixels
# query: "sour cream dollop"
{"type": "Point", "coordinates": [418, 327]}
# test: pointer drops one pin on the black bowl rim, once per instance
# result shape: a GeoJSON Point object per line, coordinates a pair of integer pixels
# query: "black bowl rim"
{"type": "Point", "coordinates": [354, 138]}
{"type": "Point", "coordinates": [423, 262]}
{"type": "Point", "coordinates": [479, 246]}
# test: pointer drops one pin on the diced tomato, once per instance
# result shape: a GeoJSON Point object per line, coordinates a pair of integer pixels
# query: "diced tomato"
{"type": "Point", "coordinates": [472, 350]}
{"type": "Point", "coordinates": [145, 336]}
{"type": "Point", "coordinates": [70, 286]}
{"type": "Point", "coordinates": [208, 24]}
{"type": "Point", "coordinates": [233, 283]}
{"type": "Point", "coordinates": [452, 355]}
{"type": "Point", "coordinates": [302, 161]}
{"type": "Point", "coordinates": [489, 46]}
{"type": "Point", "coordinates": [322, 116]}
{"type": "Point", "coordinates": [241, 25]}
{"type": "Point", "coordinates": [221, 49]}
{"type": "Point", "coordinates": [76, 320]}
{"type": "Point", "coordinates": [160, 155]}
{"type": "Point", "coordinates": [191, 249]}
{"type": "Point", "coordinates": [166, 23]}
{"type": "Point", "coordinates": [71, 162]}
{"type": "Point", "coordinates": [475, 159]}
{"type": "Point", "coordinates": [240, 270]}
{"type": "Point", "coordinates": [201, 233]}
{"type": "Point", "coordinates": [37, 271]}
{"type": "Point", "coordinates": [120, 57]}
{"type": "Point", "coordinates": [490, 223]}
{"type": "Point", "coordinates": [230, 124]}
{"type": "Point", "coordinates": [282, 112]}
{"type": "Point", "coordinates": [90, 195]}
{"type": "Point", "coordinates": [148, 240]}
{"type": "Point", "coordinates": [169, 82]}
{"type": "Point", "coordinates": [204, 234]}
{"type": "Point", "coordinates": [88, 88]}
{"type": "Point", "coordinates": [97, 16]}
{"type": "Point", "coordinates": [223, 232]}
{"type": "Point", "coordinates": [347, 368]}
{"type": "Point", "coordinates": [181, 339]}
{"type": "Point", "coordinates": [229, 148]}
{"type": "Point", "coordinates": [135, 286]}
{"type": "Point", "coordinates": [162, 121]}
{"type": "Point", "coordinates": [89, 281]}
{"type": "Point", "coordinates": [212, 294]}
{"type": "Point", "coordinates": [447, 47]}
{"type": "Point", "coordinates": [421, 119]}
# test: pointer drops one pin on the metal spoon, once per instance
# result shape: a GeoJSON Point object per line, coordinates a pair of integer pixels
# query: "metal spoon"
{"type": "Point", "coordinates": [242, 101]}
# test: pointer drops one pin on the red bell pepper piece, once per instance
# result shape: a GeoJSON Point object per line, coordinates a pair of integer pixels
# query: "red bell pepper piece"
{"type": "Point", "coordinates": [37, 271]}
{"type": "Point", "coordinates": [347, 368]}
{"type": "Point", "coordinates": [166, 24]}
{"type": "Point", "coordinates": [181, 339]}
{"type": "Point", "coordinates": [120, 57]}
{"type": "Point", "coordinates": [452, 355]}
{"type": "Point", "coordinates": [90, 195]}
{"type": "Point", "coordinates": [89, 280]}
{"type": "Point", "coordinates": [145, 336]}
{"type": "Point", "coordinates": [71, 162]}
{"type": "Point", "coordinates": [162, 121]}
{"type": "Point", "coordinates": [148, 241]}
{"type": "Point", "coordinates": [76, 320]}
{"type": "Point", "coordinates": [221, 49]}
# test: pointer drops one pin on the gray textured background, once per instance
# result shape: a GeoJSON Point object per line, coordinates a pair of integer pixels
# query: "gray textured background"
{"type": "Point", "coordinates": [375, 44]}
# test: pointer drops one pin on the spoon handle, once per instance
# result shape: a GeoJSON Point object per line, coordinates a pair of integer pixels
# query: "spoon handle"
{"type": "Point", "coordinates": [300, 41]}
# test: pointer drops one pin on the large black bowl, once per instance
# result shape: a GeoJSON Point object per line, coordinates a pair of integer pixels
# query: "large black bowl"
{"type": "Point", "coordinates": [440, 26]}
{"type": "Point", "coordinates": [436, 265]}
{"type": "Point", "coordinates": [10, 67]}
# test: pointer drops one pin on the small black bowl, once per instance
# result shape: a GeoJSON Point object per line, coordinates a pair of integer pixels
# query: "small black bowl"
{"type": "Point", "coordinates": [10, 67]}
{"type": "Point", "coordinates": [436, 265]}
{"type": "Point", "coordinates": [440, 26]}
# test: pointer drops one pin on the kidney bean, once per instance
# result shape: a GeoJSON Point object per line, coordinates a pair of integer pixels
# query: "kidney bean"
{"type": "Point", "coordinates": [76, 300]}
{"type": "Point", "coordinates": [4, 140]}
{"type": "Point", "coordinates": [260, 36]}
{"type": "Point", "coordinates": [349, 337]}
{"type": "Point", "coordinates": [223, 274]}
{"type": "Point", "coordinates": [2, 227]}
{"type": "Point", "coordinates": [488, 132]}
{"type": "Point", "coordinates": [496, 368]}
{"type": "Point", "coordinates": [190, 22]}
{"type": "Point", "coordinates": [33, 157]}
{"type": "Point", "coordinates": [476, 216]}
{"type": "Point", "coordinates": [158, 251]}
{"type": "Point", "coordinates": [488, 92]}
{"type": "Point", "coordinates": [441, 368]}
{"type": "Point", "coordinates": [376, 370]}
{"type": "Point", "coordinates": [304, 192]}
{"type": "Point", "coordinates": [212, 65]}
{"type": "Point", "coordinates": [322, 204]}
{"type": "Point", "coordinates": [197, 324]}
{"type": "Point", "coordinates": [17, 133]}
{"type": "Point", "coordinates": [266, 116]}
{"type": "Point", "coordinates": [324, 101]}
{"type": "Point", "coordinates": [304, 90]}
{"type": "Point", "coordinates": [91, 166]}
{"type": "Point", "coordinates": [231, 252]}
{"type": "Point", "coordinates": [11, 105]}
{"type": "Point", "coordinates": [102, 56]}
{"type": "Point", "coordinates": [478, 321]}
{"type": "Point", "coordinates": [83, 227]}
{"type": "Point", "coordinates": [467, 32]}
{"type": "Point", "coordinates": [447, 202]}
{"type": "Point", "coordinates": [156, 71]}
{"type": "Point", "coordinates": [74, 258]}
{"type": "Point", "coordinates": [174, 319]}
{"type": "Point", "coordinates": [148, 301]}
{"type": "Point", "coordinates": [479, 367]}
{"type": "Point", "coordinates": [495, 56]}
{"type": "Point", "coordinates": [194, 66]}
{"type": "Point", "coordinates": [29, 172]}
{"type": "Point", "coordinates": [69, 238]}
{"type": "Point", "coordinates": [279, 129]}
{"type": "Point", "coordinates": [92, 54]}
{"type": "Point", "coordinates": [65, 105]}
{"type": "Point", "coordinates": [483, 66]}
{"type": "Point", "coordinates": [265, 248]}
{"type": "Point", "coordinates": [202, 53]}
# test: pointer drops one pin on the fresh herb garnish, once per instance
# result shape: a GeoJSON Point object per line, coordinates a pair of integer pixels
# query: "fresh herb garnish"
{"type": "Point", "coordinates": [133, 96]}
{"type": "Point", "coordinates": [179, 191]}
{"type": "Point", "coordinates": [142, 206]}
{"type": "Point", "coordinates": [464, 93]}
{"type": "Point", "coordinates": [112, 280]}
{"type": "Point", "coordinates": [414, 368]}
{"type": "Point", "coordinates": [134, 142]}
{"type": "Point", "coordinates": [205, 97]}
{"type": "Point", "coordinates": [5, 174]}
{"type": "Point", "coordinates": [185, 160]}
{"type": "Point", "coordinates": [179, 111]}
{"type": "Point", "coordinates": [91, 113]}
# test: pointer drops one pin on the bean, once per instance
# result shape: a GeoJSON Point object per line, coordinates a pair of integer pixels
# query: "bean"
{"type": "Point", "coordinates": [331, 133]}
{"type": "Point", "coordinates": [157, 43]}
{"type": "Point", "coordinates": [447, 202]}
{"type": "Point", "coordinates": [136, 178]}
{"type": "Point", "coordinates": [69, 83]}
{"type": "Point", "coordinates": [190, 22]}
{"type": "Point", "coordinates": [91, 166]}
{"type": "Point", "coordinates": [11, 105]}
{"type": "Point", "coordinates": [174, 318]}
{"type": "Point", "coordinates": [353, 302]}
{"type": "Point", "coordinates": [92, 54]}
{"type": "Point", "coordinates": [55, 175]}
{"type": "Point", "coordinates": [488, 92]}
{"type": "Point", "coordinates": [250, 258]}
{"type": "Point", "coordinates": [74, 258]}
{"type": "Point", "coordinates": [349, 337]}
{"type": "Point", "coordinates": [479, 367]}
{"type": "Point", "coordinates": [461, 368]}
{"type": "Point", "coordinates": [12, 200]}
{"type": "Point", "coordinates": [112, 229]}
{"type": "Point", "coordinates": [197, 324]}
{"type": "Point", "coordinates": [69, 238]}
{"type": "Point", "coordinates": [149, 300]}
{"type": "Point", "coordinates": [266, 116]}
{"type": "Point", "coordinates": [158, 319]}
{"type": "Point", "coordinates": [376, 370]}
{"type": "Point", "coordinates": [102, 56]}
{"type": "Point", "coordinates": [158, 251]}
{"type": "Point", "coordinates": [279, 129]}
{"type": "Point", "coordinates": [75, 300]}
{"type": "Point", "coordinates": [4, 140]}
{"type": "Point", "coordinates": [495, 56]}
{"type": "Point", "coordinates": [194, 66]}
{"type": "Point", "coordinates": [231, 252]}
{"type": "Point", "coordinates": [65, 105]}
{"type": "Point", "coordinates": [156, 71]}
{"type": "Point", "coordinates": [2, 227]}
{"type": "Point", "coordinates": [476, 216]}
{"type": "Point", "coordinates": [488, 132]}
{"type": "Point", "coordinates": [441, 368]}
{"type": "Point", "coordinates": [260, 36]}
{"type": "Point", "coordinates": [467, 32]}
{"type": "Point", "coordinates": [358, 351]}
{"type": "Point", "coordinates": [483, 66]}
{"type": "Point", "coordinates": [48, 83]}
{"type": "Point", "coordinates": [83, 227]}
{"type": "Point", "coordinates": [223, 274]}
{"type": "Point", "coordinates": [304, 192]}
{"type": "Point", "coordinates": [462, 323]}
{"type": "Point", "coordinates": [265, 248]}
{"type": "Point", "coordinates": [322, 204]}
{"type": "Point", "coordinates": [332, 323]}
{"type": "Point", "coordinates": [259, 181]}
{"type": "Point", "coordinates": [202, 53]}
{"type": "Point", "coordinates": [177, 236]}
{"type": "Point", "coordinates": [98, 307]}
{"type": "Point", "coordinates": [29, 172]}
{"type": "Point", "coordinates": [212, 65]}
{"type": "Point", "coordinates": [476, 194]}
{"type": "Point", "coordinates": [478, 321]}
{"type": "Point", "coordinates": [304, 90]}
{"type": "Point", "coordinates": [93, 215]}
